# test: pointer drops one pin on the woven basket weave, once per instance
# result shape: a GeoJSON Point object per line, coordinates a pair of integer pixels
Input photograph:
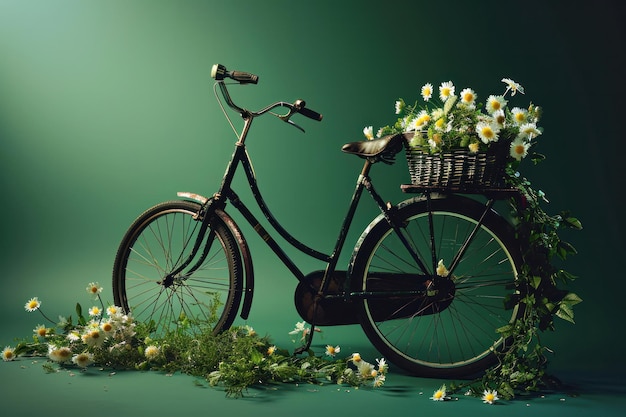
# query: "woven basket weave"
{"type": "Point", "coordinates": [458, 168]}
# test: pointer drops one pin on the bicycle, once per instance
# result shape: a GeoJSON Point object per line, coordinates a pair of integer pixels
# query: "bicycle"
{"type": "Point", "coordinates": [429, 280]}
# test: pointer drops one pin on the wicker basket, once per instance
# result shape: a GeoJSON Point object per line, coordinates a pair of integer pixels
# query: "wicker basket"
{"type": "Point", "coordinates": [458, 168]}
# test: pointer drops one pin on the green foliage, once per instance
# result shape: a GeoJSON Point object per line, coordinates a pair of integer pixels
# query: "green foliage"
{"type": "Point", "coordinates": [235, 359]}
{"type": "Point", "coordinates": [522, 365]}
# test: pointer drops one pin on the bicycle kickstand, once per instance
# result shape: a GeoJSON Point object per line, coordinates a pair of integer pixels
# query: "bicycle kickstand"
{"type": "Point", "coordinates": [309, 336]}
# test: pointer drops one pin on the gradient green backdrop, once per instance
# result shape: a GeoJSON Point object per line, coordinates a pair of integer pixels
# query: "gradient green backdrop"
{"type": "Point", "coordinates": [106, 108]}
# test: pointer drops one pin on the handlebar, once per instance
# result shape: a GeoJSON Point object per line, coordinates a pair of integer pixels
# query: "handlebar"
{"type": "Point", "coordinates": [219, 73]}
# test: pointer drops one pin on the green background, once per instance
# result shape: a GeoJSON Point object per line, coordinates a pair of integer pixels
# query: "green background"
{"type": "Point", "coordinates": [106, 108]}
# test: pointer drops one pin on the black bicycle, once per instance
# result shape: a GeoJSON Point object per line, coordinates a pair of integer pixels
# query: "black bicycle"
{"type": "Point", "coordinates": [429, 280]}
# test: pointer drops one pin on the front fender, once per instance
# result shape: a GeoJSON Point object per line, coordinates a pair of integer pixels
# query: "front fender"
{"type": "Point", "coordinates": [243, 248]}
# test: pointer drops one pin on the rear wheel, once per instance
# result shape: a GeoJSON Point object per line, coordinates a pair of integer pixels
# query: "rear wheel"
{"type": "Point", "coordinates": [439, 322]}
{"type": "Point", "coordinates": [156, 244]}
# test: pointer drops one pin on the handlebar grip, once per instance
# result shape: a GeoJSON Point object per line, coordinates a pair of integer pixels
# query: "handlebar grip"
{"type": "Point", "coordinates": [300, 106]}
{"type": "Point", "coordinates": [219, 72]}
{"type": "Point", "coordinates": [310, 114]}
{"type": "Point", "coordinates": [244, 77]}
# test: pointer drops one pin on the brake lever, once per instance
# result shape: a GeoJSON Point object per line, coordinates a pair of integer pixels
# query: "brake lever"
{"type": "Point", "coordinates": [287, 118]}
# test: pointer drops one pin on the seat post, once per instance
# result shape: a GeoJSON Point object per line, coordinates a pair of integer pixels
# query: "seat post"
{"type": "Point", "coordinates": [366, 167]}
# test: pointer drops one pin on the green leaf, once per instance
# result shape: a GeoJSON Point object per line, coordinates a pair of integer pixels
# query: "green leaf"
{"type": "Point", "coordinates": [535, 281]}
{"type": "Point", "coordinates": [571, 299]}
{"type": "Point", "coordinates": [79, 313]}
{"type": "Point", "coordinates": [573, 222]}
{"type": "Point", "coordinates": [564, 276]}
{"type": "Point", "coordinates": [566, 312]}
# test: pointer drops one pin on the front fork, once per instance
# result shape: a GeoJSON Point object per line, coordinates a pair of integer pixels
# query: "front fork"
{"type": "Point", "coordinates": [212, 209]}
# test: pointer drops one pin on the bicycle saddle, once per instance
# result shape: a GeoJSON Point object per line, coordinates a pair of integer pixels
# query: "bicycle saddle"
{"type": "Point", "coordinates": [382, 149]}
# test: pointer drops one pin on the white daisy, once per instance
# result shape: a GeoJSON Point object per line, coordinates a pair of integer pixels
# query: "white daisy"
{"type": "Point", "coordinates": [440, 394]}
{"type": "Point", "coordinates": [499, 118]}
{"type": "Point", "coordinates": [487, 132]}
{"type": "Point", "coordinates": [442, 271]}
{"type": "Point", "coordinates": [108, 327]}
{"type": "Point", "coordinates": [332, 350]}
{"type": "Point", "coordinates": [446, 90]}
{"type": "Point", "coordinates": [368, 131]}
{"type": "Point", "coordinates": [379, 380]}
{"type": "Point", "coordinates": [427, 91]}
{"type": "Point", "coordinates": [95, 311]}
{"type": "Point", "coordinates": [382, 365]}
{"type": "Point", "coordinates": [490, 396]}
{"type": "Point", "coordinates": [468, 97]}
{"type": "Point", "coordinates": [520, 116]}
{"type": "Point", "coordinates": [495, 103]}
{"type": "Point", "coordinates": [41, 330]}
{"type": "Point", "coordinates": [8, 354]}
{"type": "Point", "coordinates": [512, 86]}
{"type": "Point", "coordinates": [32, 304]}
{"type": "Point", "coordinates": [152, 352]}
{"type": "Point", "coordinates": [83, 360]}
{"type": "Point", "coordinates": [356, 358]}
{"type": "Point", "coordinates": [93, 337]}
{"type": "Point", "coordinates": [519, 148]}
{"type": "Point", "coordinates": [94, 289]}
{"type": "Point", "coordinates": [529, 131]}
{"type": "Point", "coordinates": [300, 327]}
{"type": "Point", "coordinates": [399, 106]}
{"type": "Point", "coordinates": [59, 354]}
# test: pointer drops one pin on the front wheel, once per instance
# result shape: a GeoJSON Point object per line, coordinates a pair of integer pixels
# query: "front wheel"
{"type": "Point", "coordinates": [204, 295]}
{"type": "Point", "coordinates": [423, 317]}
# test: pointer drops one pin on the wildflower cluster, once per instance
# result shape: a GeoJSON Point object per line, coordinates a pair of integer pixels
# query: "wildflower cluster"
{"type": "Point", "coordinates": [461, 122]}
{"type": "Point", "coordinates": [235, 359]}
{"type": "Point", "coordinates": [106, 334]}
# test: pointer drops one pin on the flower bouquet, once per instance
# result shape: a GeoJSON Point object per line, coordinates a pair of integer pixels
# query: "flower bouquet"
{"type": "Point", "coordinates": [458, 142]}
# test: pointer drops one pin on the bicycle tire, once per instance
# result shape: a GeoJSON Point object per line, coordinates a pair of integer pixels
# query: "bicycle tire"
{"type": "Point", "coordinates": [156, 243]}
{"type": "Point", "coordinates": [449, 331]}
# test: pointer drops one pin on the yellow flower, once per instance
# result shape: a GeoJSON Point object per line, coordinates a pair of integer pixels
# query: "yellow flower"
{"type": "Point", "coordinates": [271, 350]}
{"type": "Point", "coordinates": [32, 304]}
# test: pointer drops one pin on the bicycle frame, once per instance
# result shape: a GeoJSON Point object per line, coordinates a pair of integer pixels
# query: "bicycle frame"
{"type": "Point", "coordinates": [227, 194]}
